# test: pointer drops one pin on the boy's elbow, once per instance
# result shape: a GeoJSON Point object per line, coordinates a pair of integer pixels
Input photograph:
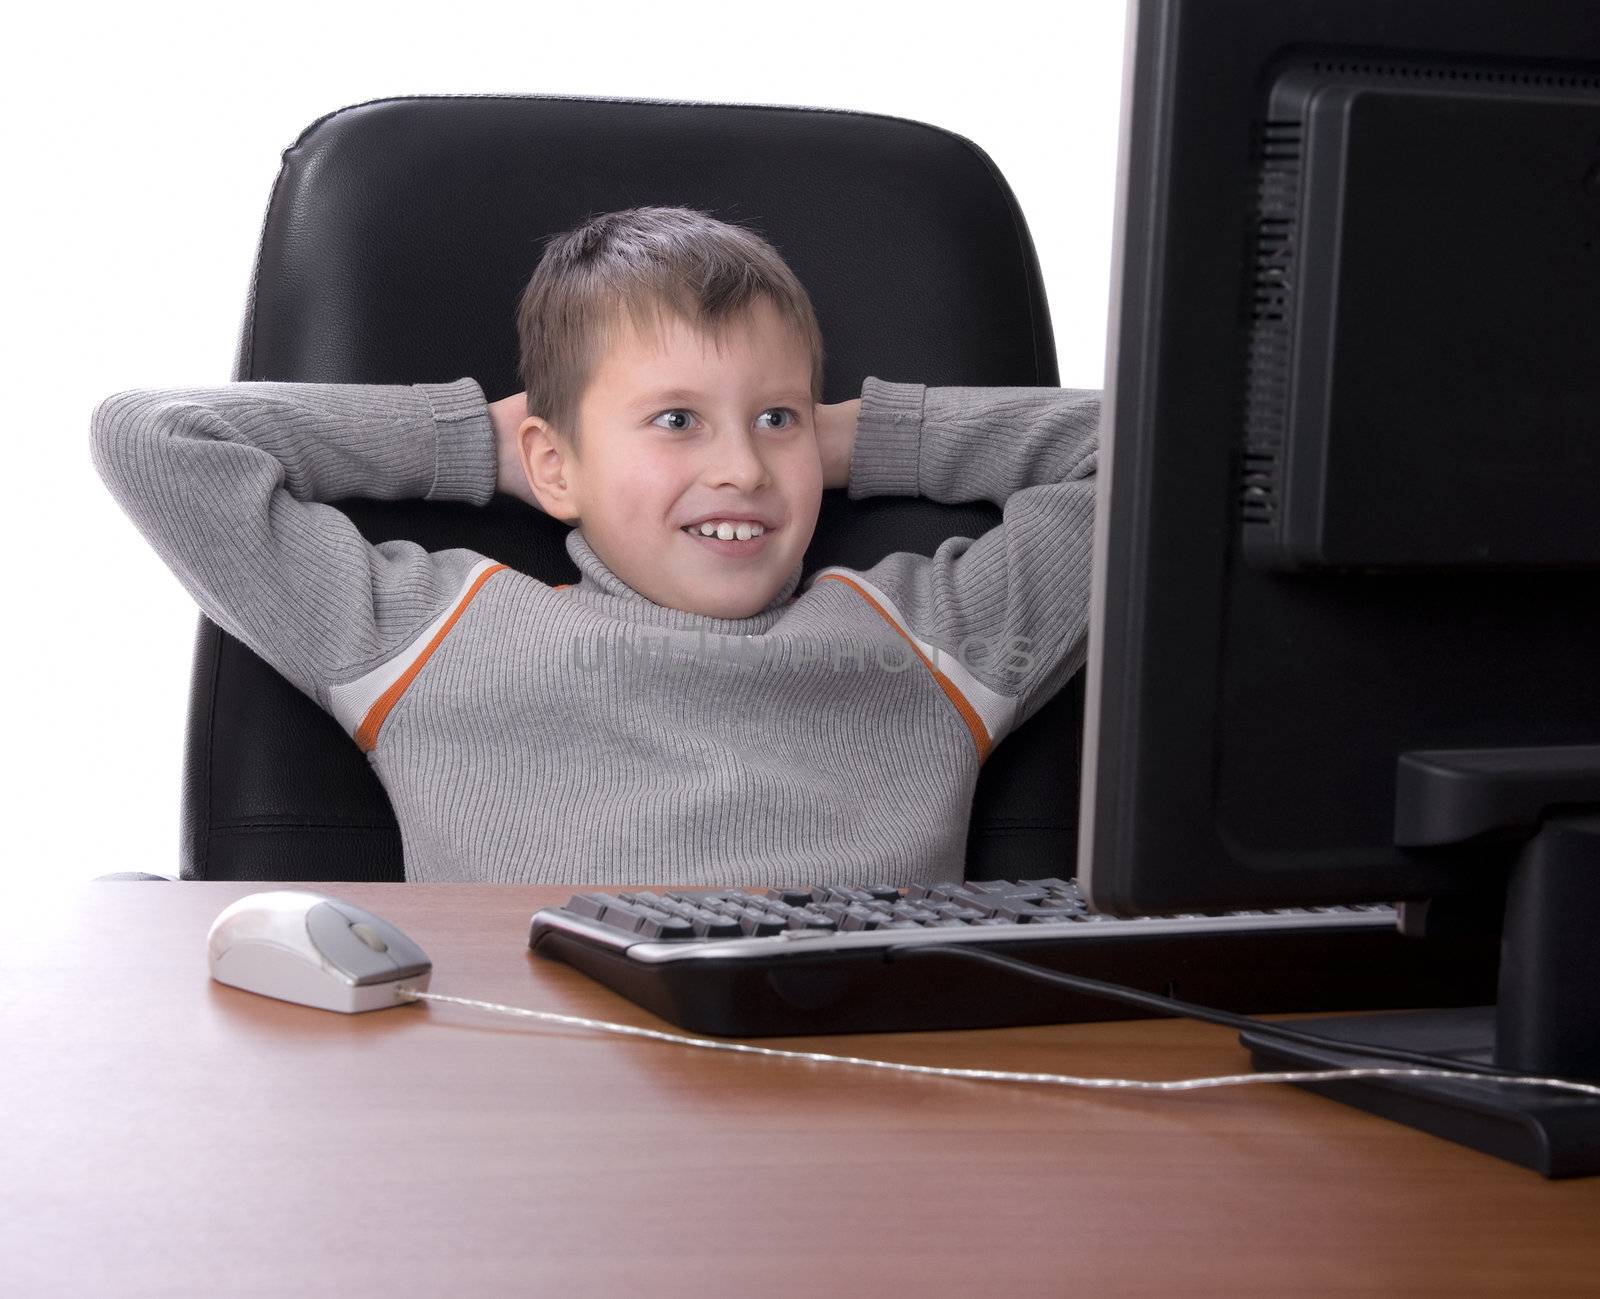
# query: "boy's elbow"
{"type": "Point", "coordinates": [112, 411]}
{"type": "Point", "coordinates": [102, 430]}
{"type": "Point", "coordinates": [109, 425]}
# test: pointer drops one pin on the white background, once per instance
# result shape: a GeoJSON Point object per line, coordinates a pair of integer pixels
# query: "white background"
{"type": "Point", "coordinates": [141, 145]}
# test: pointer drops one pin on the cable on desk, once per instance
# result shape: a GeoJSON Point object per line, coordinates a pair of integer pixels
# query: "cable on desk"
{"type": "Point", "coordinates": [994, 1075]}
{"type": "Point", "coordinates": [1171, 1006]}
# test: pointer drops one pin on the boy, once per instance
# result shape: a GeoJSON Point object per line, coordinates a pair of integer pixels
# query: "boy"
{"type": "Point", "coordinates": [685, 714]}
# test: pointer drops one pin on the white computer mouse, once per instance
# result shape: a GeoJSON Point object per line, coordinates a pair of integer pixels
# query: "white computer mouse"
{"type": "Point", "coordinates": [315, 950]}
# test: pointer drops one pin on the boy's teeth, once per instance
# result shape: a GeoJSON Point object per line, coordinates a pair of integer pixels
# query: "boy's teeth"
{"type": "Point", "coordinates": [726, 531]}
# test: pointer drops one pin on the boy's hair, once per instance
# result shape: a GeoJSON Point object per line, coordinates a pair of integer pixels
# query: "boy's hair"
{"type": "Point", "coordinates": [644, 261]}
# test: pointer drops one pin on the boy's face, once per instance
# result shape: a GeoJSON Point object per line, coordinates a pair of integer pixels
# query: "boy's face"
{"type": "Point", "coordinates": [676, 432]}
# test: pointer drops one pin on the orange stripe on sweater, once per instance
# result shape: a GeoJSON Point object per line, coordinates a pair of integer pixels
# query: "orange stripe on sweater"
{"type": "Point", "coordinates": [969, 715]}
{"type": "Point", "coordinates": [367, 733]}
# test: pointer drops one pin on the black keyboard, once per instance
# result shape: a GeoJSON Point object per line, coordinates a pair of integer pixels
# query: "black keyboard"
{"type": "Point", "coordinates": [810, 960]}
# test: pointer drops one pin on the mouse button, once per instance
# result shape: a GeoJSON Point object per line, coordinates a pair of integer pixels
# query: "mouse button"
{"type": "Point", "coordinates": [408, 957]}
{"type": "Point", "coordinates": [276, 917]}
{"type": "Point", "coordinates": [370, 936]}
{"type": "Point", "coordinates": [354, 914]}
{"type": "Point", "coordinates": [330, 931]}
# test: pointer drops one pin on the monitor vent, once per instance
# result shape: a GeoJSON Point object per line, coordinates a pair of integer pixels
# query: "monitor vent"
{"type": "Point", "coordinates": [1278, 153]}
{"type": "Point", "coordinates": [1455, 75]}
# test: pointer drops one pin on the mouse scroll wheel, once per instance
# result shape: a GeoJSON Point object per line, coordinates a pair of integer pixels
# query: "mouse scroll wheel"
{"type": "Point", "coordinates": [370, 936]}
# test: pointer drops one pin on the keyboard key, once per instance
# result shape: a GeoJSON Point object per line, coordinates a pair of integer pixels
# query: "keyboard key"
{"type": "Point", "coordinates": [998, 889]}
{"type": "Point", "coordinates": [759, 924]}
{"type": "Point", "coordinates": [588, 904]}
{"type": "Point", "coordinates": [624, 915]}
{"type": "Point", "coordinates": [723, 907]}
{"type": "Point", "coordinates": [1028, 912]}
{"type": "Point", "coordinates": [664, 926]}
{"type": "Point", "coordinates": [711, 925]}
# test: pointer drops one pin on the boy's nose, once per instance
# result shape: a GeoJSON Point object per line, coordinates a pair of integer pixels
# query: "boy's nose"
{"type": "Point", "coordinates": [737, 463]}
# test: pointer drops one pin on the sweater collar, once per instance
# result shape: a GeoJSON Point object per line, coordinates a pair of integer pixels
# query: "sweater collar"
{"type": "Point", "coordinates": [605, 591]}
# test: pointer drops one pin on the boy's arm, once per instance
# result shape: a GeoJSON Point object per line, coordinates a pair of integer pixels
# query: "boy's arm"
{"type": "Point", "coordinates": [1004, 617]}
{"type": "Point", "coordinates": [226, 484]}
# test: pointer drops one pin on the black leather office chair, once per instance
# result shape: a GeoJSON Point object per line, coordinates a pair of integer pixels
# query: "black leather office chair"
{"type": "Point", "coordinates": [397, 239]}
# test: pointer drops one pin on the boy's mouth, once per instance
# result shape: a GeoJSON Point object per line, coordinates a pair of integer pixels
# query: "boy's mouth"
{"type": "Point", "coordinates": [733, 547]}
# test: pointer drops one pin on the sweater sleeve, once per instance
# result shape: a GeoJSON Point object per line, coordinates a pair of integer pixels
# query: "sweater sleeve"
{"type": "Point", "coordinates": [1002, 618]}
{"type": "Point", "coordinates": [228, 485]}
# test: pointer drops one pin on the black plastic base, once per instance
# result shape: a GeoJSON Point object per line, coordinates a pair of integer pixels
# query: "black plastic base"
{"type": "Point", "coordinates": [1555, 1133]}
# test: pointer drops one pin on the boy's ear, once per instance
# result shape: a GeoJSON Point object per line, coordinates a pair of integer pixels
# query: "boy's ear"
{"type": "Point", "coordinates": [545, 460]}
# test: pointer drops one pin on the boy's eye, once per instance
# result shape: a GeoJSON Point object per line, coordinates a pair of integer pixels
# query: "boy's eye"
{"type": "Point", "coordinates": [676, 427]}
{"type": "Point", "coordinates": [681, 418]}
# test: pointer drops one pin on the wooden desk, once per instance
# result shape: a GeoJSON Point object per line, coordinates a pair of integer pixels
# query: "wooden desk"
{"type": "Point", "coordinates": [165, 1134]}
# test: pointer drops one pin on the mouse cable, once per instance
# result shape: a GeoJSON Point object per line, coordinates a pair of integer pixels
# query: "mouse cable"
{"type": "Point", "coordinates": [994, 1075]}
{"type": "Point", "coordinates": [1172, 1006]}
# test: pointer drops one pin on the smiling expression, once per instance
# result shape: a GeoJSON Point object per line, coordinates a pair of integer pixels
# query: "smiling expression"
{"type": "Point", "coordinates": [676, 430]}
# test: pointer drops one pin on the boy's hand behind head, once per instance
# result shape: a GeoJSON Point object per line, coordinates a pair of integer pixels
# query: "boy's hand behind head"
{"type": "Point", "coordinates": [836, 439]}
{"type": "Point", "coordinates": [506, 415]}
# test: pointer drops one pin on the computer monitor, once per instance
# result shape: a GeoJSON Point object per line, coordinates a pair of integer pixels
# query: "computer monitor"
{"type": "Point", "coordinates": [1345, 639]}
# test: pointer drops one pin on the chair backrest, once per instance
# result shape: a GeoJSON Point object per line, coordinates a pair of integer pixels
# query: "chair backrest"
{"type": "Point", "coordinates": [397, 239]}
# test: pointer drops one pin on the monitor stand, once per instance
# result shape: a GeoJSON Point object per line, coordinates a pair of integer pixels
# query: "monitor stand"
{"type": "Point", "coordinates": [1546, 1023]}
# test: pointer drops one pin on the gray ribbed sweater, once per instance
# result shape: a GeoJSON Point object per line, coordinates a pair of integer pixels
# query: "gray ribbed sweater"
{"type": "Point", "coordinates": [584, 734]}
